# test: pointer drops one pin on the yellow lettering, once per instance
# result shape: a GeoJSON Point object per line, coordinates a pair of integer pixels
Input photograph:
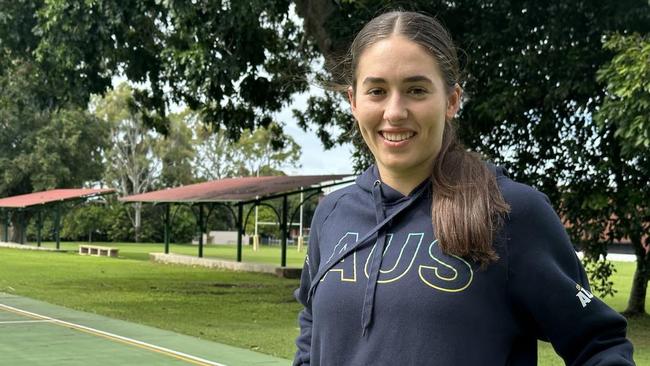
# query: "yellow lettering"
{"type": "Point", "coordinates": [453, 274]}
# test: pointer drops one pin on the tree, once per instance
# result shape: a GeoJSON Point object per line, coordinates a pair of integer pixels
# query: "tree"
{"type": "Point", "coordinates": [236, 62]}
{"type": "Point", "coordinates": [214, 153]}
{"type": "Point", "coordinates": [86, 222]}
{"type": "Point", "coordinates": [627, 103]}
{"type": "Point", "coordinates": [176, 151]}
{"type": "Point", "coordinates": [132, 166]}
{"type": "Point", "coordinates": [254, 153]}
{"type": "Point", "coordinates": [531, 94]}
{"type": "Point", "coordinates": [625, 114]}
{"type": "Point", "coordinates": [41, 147]}
{"type": "Point", "coordinates": [46, 140]}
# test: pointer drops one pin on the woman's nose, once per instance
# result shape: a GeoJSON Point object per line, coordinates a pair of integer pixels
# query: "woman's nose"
{"type": "Point", "coordinates": [395, 110]}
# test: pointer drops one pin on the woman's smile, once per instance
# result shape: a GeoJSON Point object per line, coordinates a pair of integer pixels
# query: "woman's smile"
{"type": "Point", "coordinates": [396, 138]}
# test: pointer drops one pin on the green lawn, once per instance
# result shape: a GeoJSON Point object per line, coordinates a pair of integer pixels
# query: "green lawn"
{"type": "Point", "coordinates": [249, 310]}
{"type": "Point", "coordinates": [254, 311]}
{"type": "Point", "coordinates": [266, 254]}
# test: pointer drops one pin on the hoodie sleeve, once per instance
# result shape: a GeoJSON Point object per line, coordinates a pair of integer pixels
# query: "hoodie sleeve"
{"type": "Point", "coordinates": [549, 288]}
{"type": "Point", "coordinates": [309, 270]}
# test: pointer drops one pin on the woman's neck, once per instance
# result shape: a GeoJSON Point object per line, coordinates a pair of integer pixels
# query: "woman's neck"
{"type": "Point", "coordinates": [403, 182]}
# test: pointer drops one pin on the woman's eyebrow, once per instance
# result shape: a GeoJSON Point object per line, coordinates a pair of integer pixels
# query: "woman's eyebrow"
{"type": "Point", "coordinates": [373, 80]}
{"type": "Point", "coordinates": [417, 78]}
{"type": "Point", "coordinates": [410, 79]}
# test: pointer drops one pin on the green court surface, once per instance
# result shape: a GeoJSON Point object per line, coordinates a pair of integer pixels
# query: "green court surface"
{"type": "Point", "coordinates": [36, 333]}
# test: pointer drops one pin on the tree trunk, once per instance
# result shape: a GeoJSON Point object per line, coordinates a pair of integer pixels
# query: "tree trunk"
{"type": "Point", "coordinates": [636, 303]}
{"type": "Point", "coordinates": [19, 221]}
{"type": "Point", "coordinates": [137, 220]}
{"type": "Point", "coordinates": [314, 15]}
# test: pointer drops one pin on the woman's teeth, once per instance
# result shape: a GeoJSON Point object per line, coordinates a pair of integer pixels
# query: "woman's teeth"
{"type": "Point", "coordinates": [395, 137]}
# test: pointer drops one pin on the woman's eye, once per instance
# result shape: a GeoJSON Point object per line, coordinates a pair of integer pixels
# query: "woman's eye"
{"type": "Point", "coordinates": [417, 91]}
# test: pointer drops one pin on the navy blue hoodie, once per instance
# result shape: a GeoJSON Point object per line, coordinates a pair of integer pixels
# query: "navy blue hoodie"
{"type": "Point", "coordinates": [415, 305]}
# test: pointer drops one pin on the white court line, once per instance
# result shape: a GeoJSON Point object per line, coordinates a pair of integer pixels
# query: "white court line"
{"type": "Point", "coordinates": [24, 321]}
{"type": "Point", "coordinates": [170, 352]}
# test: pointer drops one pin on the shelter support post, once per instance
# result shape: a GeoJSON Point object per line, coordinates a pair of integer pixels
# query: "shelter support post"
{"type": "Point", "coordinates": [201, 230]}
{"type": "Point", "coordinates": [167, 227]}
{"type": "Point", "coordinates": [283, 225]}
{"type": "Point", "coordinates": [240, 229]}
{"type": "Point", "coordinates": [256, 237]}
{"type": "Point", "coordinates": [300, 237]}
{"type": "Point", "coordinates": [57, 224]}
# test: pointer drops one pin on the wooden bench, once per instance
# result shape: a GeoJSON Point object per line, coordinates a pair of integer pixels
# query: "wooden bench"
{"type": "Point", "coordinates": [98, 250]}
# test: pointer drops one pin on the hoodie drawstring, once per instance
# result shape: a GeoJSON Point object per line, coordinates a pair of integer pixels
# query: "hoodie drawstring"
{"type": "Point", "coordinates": [361, 243]}
{"type": "Point", "coordinates": [375, 262]}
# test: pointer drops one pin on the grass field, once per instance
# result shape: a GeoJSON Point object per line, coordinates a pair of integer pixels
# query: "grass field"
{"type": "Point", "coordinates": [253, 311]}
{"type": "Point", "coordinates": [266, 254]}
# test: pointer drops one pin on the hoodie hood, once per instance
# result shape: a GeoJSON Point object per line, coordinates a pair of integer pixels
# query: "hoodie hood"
{"type": "Point", "coordinates": [390, 196]}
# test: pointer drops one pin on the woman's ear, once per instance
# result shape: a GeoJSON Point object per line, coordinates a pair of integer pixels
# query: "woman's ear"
{"type": "Point", "coordinates": [453, 102]}
{"type": "Point", "coordinates": [353, 101]}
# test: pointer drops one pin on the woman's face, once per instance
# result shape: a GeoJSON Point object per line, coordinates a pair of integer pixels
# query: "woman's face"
{"type": "Point", "coordinates": [401, 103]}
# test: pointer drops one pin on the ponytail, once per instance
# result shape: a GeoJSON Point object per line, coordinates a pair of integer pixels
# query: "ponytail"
{"type": "Point", "coordinates": [468, 208]}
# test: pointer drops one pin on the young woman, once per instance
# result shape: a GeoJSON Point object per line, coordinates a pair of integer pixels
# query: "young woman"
{"type": "Point", "coordinates": [435, 257]}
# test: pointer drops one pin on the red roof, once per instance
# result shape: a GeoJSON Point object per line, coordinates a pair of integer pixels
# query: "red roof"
{"type": "Point", "coordinates": [232, 189]}
{"type": "Point", "coordinates": [54, 195]}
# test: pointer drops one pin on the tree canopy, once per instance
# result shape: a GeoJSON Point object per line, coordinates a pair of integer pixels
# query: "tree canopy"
{"type": "Point", "coordinates": [627, 102]}
{"type": "Point", "coordinates": [236, 62]}
{"type": "Point", "coordinates": [43, 148]}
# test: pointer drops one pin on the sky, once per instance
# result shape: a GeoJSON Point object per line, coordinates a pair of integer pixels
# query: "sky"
{"type": "Point", "coordinates": [315, 159]}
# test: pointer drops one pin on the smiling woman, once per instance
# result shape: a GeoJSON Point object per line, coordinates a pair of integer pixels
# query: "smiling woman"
{"type": "Point", "coordinates": [401, 105]}
{"type": "Point", "coordinates": [434, 256]}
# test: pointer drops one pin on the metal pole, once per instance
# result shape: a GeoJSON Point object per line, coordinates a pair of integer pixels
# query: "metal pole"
{"type": "Point", "coordinates": [256, 218]}
{"type": "Point", "coordinates": [167, 227]}
{"type": "Point", "coordinates": [57, 223]}
{"type": "Point", "coordinates": [201, 230]}
{"type": "Point", "coordinates": [240, 229]}
{"type": "Point", "coordinates": [256, 238]}
{"type": "Point", "coordinates": [302, 205]}
{"type": "Point", "coordinates": [283, 225]}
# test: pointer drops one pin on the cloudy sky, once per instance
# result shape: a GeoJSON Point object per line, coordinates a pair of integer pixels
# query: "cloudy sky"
{"type": "Point", "coordinates": [315, 159]}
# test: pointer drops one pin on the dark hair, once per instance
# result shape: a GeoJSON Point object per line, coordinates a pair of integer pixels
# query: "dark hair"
{"type": "Point", "coordinates": [467, 208]}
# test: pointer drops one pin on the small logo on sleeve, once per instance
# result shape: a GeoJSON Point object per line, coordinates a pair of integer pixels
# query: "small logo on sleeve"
{"type": "Point", "coordinates": [583, 295]}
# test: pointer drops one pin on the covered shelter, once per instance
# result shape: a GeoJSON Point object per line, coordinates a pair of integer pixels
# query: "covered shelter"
{"type": "Point", "coordinates": [46, 200]}
{"type": "Point", "coordinates": [232, 193]}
